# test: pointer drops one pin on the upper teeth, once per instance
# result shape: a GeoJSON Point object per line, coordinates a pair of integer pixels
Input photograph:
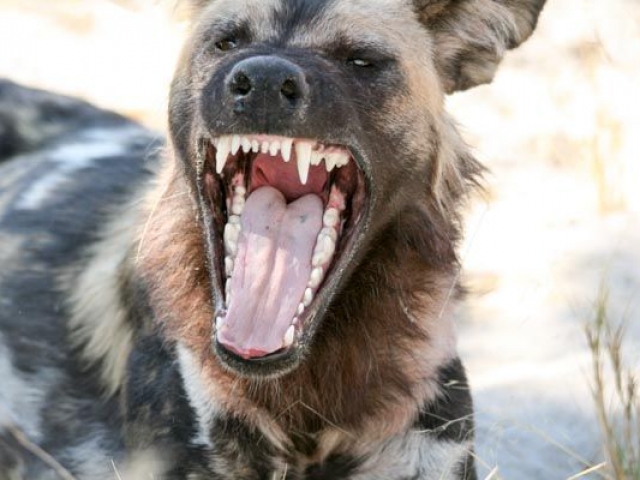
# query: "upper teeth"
{"type": "Point", "coordinates": [308, 152]}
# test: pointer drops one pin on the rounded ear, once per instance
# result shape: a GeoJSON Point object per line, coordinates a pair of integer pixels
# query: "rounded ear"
{"type": "Point", "coordinates": [471, 36]}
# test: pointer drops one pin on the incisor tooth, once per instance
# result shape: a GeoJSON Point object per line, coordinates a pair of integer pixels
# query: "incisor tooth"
{"type": "Point", "coordinates": [265, 146]}
{"type": "Point", "coordinates": [239, 191]}
{"type": "Point", "coordinates": [303, 154]}
{"type": "Point", "coordinates": [300, 309]}
{"type": "Point", "coordinates": [222, 153]}
{"type": "Point", "coordinates": [255, 146]}
{"type": "Point", "coordinates": [218, 323]}
{"type": "Point", "coordinates": [289, 336]}
{"type": "Point", "coordinates": [246, 145]}
{"type": "Point", "coordinates": [287, 145]}
{"type": "Point", "coordinates": [274, 148]}
{"type": "Point", "coordinates": [235, 144]}
{"type": "Point", "coordinates": [316, 158]}
{"type": "Point", "coordinates": [234, 219]}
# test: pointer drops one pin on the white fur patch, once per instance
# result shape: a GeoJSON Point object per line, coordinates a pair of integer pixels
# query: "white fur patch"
{"type": "Point", "coordinates": [98, 322]}
{"type": "Point", "coordinates": [415, 454]}
{"type": "Point", "coordinates": [90, 146]}
{"type": "Point", "coordinates": [89, 460]}
{"type": "Point", "coordinates": [199, 398]}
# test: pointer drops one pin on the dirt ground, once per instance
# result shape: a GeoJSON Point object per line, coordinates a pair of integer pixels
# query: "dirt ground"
{"type": "Point", "coordinates": [560, 131]}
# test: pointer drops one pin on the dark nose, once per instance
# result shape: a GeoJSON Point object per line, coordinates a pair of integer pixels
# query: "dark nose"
{"type": "Point", "coordinates": [267, 83]}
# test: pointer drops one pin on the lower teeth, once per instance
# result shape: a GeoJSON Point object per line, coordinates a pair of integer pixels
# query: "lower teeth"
{"type": "Point", "coordinates": [323, 252]}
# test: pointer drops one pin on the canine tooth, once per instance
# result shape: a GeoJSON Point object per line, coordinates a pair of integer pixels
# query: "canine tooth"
{"type": "Point", "coordinates": [218, 323]}
{"type": "Point", "coordinates": [288, 337]}
{"type": "Point", "coordinates": [228, 266]}
{"type": "Point", "coordinates": [331, 217]}
{"type": "Point", "coordinates": [235, 144]}
{"type": "Point", "coordinates": [301, 309]}
{"type": "Point", "coordinates": [246, 145]}
{"type": "Point", "coordinates": [287, 145]}
{"type": "Point", "coordinates": [308, 297]}
{"type": "Point", "coordinates": [265, 146]}
{"type": "Point", "coordinates": [224, 146]}
{"type": "Point", "coordinates": [316, 277]}
{"type": "Point", "coordinates": [303, 153]}
{"type": "Point", "coordinates": [255, 146]}
{"type": "Point", "coordinates": [274, 148]}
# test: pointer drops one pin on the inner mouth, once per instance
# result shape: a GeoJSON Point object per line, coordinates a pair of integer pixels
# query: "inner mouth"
{"type": "Point", "coordinates": [284, 212]}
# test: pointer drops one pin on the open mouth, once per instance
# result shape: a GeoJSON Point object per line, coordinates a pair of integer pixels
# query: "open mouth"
{"type": "Point", "coordinates": [284, 219]}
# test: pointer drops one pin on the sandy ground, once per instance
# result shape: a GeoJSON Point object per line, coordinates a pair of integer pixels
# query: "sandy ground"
{"type": "Point", "coordinates": [560, 131]}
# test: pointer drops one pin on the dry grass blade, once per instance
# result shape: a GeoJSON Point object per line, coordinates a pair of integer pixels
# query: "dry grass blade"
{"type": "Point", "coordinates": [619, 412]}
{"type": "Point", "coordinates": [27, 444]}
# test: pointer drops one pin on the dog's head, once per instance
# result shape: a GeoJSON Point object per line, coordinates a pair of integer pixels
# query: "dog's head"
{"type": "Point", "coordinates": [306, 128]}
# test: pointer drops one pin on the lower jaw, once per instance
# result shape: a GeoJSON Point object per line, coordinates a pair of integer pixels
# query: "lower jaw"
{"type": "Point", "coordinates": [272, 366]}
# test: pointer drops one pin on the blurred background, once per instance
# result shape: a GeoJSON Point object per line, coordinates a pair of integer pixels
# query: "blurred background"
{"type": "Point", "coordinates": [552, 247]}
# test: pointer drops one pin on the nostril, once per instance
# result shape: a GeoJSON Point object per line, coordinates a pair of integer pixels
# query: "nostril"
{"type": "Point", "coordinates": [241, 84]}
{"type": "Point", "coordinates": [289, 89]}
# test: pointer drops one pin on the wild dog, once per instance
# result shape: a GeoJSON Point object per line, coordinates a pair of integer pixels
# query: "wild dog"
{"type": "Point", "coordinates": [272, 297]}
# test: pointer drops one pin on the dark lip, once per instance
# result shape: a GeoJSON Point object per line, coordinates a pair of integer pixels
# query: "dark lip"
{"type": "Point", "coordinates": [286, 360]}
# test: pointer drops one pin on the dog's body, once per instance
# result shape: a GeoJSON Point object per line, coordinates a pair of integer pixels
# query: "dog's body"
{"type": "Point", "coordinates": [146, 302]}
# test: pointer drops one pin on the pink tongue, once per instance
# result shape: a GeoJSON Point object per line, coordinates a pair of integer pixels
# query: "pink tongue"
{"type": "Point", "coordinates": [271, 270]}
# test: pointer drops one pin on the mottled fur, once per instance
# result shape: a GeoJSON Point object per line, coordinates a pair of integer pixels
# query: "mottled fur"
{"type": "Point", "coordinates": [108, 287]}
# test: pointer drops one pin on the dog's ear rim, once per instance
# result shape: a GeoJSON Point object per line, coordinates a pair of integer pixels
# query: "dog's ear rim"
{"type": "Point", "coordinates": [472, 36]}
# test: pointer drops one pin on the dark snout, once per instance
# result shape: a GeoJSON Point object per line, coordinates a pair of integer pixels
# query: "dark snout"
{"type": "Point", "coordinates": [267, 84]}
{"type": "Point", "coordinates": [277, 94]}
{"type": "Point", "coordinates": [260, 93]}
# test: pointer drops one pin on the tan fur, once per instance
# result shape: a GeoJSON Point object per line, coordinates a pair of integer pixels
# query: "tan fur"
{"type": "Point", "coordinates": [98, 319]}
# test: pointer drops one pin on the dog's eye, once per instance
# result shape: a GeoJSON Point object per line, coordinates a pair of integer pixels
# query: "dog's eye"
{"type": "Point", "coordinates": [360, 62]}
{"type": "Point", "coordinates": [226, 44]}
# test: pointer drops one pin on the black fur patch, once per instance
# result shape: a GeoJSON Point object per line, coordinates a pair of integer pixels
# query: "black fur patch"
{"type": "Point", "coordinates": [450, 417]}
{"type": "Point", "coordinates": [336, 467]}
{"type": "Point", "coordinates": [293, 16]}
